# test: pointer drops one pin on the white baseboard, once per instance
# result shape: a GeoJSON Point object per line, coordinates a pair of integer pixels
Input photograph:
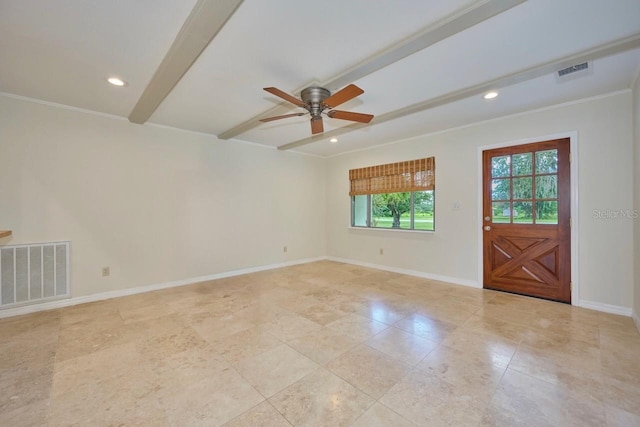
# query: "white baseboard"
{"type": "Point", "coordinates": [636, 320]}
{"type": "Point", "coordinates": [454, 280]}
{"type": "Point", "coordinates": [26, 309]}
{"type": "Point", "coordinates": [607, 308]}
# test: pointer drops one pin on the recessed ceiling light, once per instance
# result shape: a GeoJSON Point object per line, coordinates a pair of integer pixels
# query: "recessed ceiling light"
{"type": "Point", "coordinates": [490, 95]}
{"type": "Point", "coordinates": [116, 81]}
{"type": "Point", "coordinates": [333, 140]}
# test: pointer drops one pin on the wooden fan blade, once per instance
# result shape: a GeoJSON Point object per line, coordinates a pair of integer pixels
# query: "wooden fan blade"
{"type": "Point", "coordinates": [316, 125]}
{"type": "Point", "coordinates": [284, 95]}
{"type": "Point", "coordinates": [343, 96]}
{"type": "Point", "coordinates": [348, 115]}
{"type": "Point", "coordinates": [268, 119]}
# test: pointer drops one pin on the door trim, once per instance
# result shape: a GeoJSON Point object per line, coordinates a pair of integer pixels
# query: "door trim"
{"type": "Point", "coordinates": [575, 262]}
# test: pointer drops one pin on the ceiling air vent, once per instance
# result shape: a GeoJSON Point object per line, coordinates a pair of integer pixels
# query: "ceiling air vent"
{"type": "Point", "coordinates": [574, 72]}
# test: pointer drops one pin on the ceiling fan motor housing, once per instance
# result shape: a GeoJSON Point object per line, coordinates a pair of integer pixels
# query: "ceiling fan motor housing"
{"type": "Point", "coordinates": [313, 97]}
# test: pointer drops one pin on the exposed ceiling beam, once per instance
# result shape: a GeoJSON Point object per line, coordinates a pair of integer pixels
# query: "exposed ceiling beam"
{"type": "Point", "coordinates": [452, 24]}
{"type": "Point", "coordinates": [621, 45]}
{"type": "Point", "coordinates": [203, 23]}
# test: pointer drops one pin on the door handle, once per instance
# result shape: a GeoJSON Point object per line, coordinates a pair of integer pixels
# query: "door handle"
{"type": "Point", "coordinates": [487, 228]}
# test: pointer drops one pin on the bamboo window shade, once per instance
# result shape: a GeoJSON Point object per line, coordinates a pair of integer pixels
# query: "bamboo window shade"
{"type": "Point", "coordinates": [410, 175]}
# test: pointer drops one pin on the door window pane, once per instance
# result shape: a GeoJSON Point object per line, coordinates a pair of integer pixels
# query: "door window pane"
{"type": "Point", "coordinates": [501, 212]}
{"type": "Point", "coordinates": [547, 161]}
{"type": "Point", "coordinates": [522, 188]}
{"type": "Point", "coordinates": [522, 164]}
{"type": "Point", "coordinates": [547, 212]}
{"type": "Point", "coordinates": [547, 187]}
{"type": "Point", "coordinates": [500, 166]}
{"type": "Point", "coordinates": [501, 189]}
{"type": "Point", "coordinates": [522, 213]}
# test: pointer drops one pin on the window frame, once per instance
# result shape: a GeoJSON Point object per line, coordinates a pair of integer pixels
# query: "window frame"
{"type": "Point", "coordinates": [369, 221]}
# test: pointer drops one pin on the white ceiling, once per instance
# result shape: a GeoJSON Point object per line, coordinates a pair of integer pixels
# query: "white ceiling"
{"type": "Point", "coordinates": [62, 52]}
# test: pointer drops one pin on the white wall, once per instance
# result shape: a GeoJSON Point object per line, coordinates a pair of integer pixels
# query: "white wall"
{"type": "Point", "coordinates": [636, 199]}
{"type": "Point", "coordinates": [154, 204]}
{"type": "Point", "coordinates": [605, 143]}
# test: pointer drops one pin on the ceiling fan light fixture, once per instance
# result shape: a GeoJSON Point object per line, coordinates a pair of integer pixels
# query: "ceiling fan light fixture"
{"type": "Point", "coordinates": [490, 95]}
{"type": "Point", "coordinates": [116, 81]}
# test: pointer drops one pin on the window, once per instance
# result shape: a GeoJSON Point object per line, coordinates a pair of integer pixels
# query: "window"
{"type": "Point", "coordinates": [395, 196]}
{"type": "Point", "coordinates": [524, 188]}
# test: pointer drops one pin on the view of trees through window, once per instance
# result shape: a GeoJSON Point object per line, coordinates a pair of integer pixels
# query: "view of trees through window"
{"type": "Point", "coordinates": [524, 188]}
{"type": "Point", "coordinates": [407, 210]}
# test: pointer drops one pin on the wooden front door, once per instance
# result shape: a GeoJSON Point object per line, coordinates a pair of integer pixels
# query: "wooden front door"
{"type": "Point", "coordinates": [527, 219]}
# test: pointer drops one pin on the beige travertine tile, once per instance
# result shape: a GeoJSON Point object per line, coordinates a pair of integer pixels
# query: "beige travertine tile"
{"type": "Point", "coordinates": [476, 374]}
{"type": "Point", "coordinates": [321, 314]}
{"type": "Point", "coordinates": [381, 416]}
{"type": "Point", "coordinates": [208, 402]}
{"type": "Point", "coordinates": [321, 399]}
{"type": "Point", "coordinates": [426, 327]}
{"type": "Point", "coordinates": [25, 385]}
{"type": "Point", "coordinates": [619, 417]}
{"type": "Point", "coordinates": [212, 328]}
{"type": "Point", "coordinates": [262, 415]}
{"type": "Point", "coordinates": [524, 399]}
{"type": "Point", "coordinates": [33, 414]}
{"type": "Point", "coordinates": [489, 348]}
{"type": "Point", "coordinates": [556, 368]}
{"type": "Point", "coordinates": [289, 326]}
{"type": "Point", "coordinates": [511, 331]}
{"type": "Point", "coordinates": [622, 394]}
{"type": "Point", "coordinates": [425, 399]}
{"type": "Point", "coordinates": [275, 369]}
{"type": "Point", "coordinates": [105, 387]}
{"type": "Point", "coordinates": [358, 327]}
{"type": "Point", "coordinates": [401, 345]}
{"type": "Point", "coordinates": [369, 370]}
{"type": "Point", "coordinates": [245, 344]}
{"type": "Point", "coordinates": [323, 345]}
{"type": "Point", "coordinates": [171, 360]}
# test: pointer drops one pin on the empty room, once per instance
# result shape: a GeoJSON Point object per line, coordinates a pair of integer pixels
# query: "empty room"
{"type": "Point", "coordinates": [342, 213]}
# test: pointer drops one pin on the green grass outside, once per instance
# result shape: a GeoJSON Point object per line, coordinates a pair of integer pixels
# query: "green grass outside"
{"type": "Point", "coordinates": [422, 221]}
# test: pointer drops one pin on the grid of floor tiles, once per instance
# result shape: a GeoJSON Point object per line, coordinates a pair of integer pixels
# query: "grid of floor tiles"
{"type": "Point", "coordinates": [321, 344]}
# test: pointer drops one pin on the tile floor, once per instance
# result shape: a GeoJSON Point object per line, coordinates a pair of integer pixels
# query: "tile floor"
{"type": "Point", "coordinates": [322, 344]}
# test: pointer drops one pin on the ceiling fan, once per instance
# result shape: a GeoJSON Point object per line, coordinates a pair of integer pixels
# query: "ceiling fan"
{"type": "Point", "coordinates": [318, 100]}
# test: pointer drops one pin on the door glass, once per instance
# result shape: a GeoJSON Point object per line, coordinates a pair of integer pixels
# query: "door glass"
{"type": "Point", "coordinates": [547, 212]}
{"type": "Point", "coordinates": [522, 212]}
{"type": "Point", "coordinates": [501, 212]}
{"type": "Point", "coordinates": [547, 161]}
{"type": "Point", "coordinates": [547, 187]}
{"type": "Point", "coordinates": [522, 164]}
{"type": "Point", "coordinates": [500, 166]}
{"type": "Point", "coordinates": [522, 193]}
{"type": "Point", "coordinates": [501, 189]}
{"type": "Point", "coordinates": [522, 188]}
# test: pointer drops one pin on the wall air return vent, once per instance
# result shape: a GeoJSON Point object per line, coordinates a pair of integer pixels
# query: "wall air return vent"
{"type": "Point", "coordinates": [31, 274]}
{"type": "Point", "coordinates": [574, 71]}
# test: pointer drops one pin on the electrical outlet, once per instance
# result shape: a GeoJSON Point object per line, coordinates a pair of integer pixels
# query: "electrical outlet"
{"type": "Point", "coordinates": [106, 271]}
{"type": "Point", "coordinates": [284, 249]}
{"type": "Point", "coordinates": [381, 251]}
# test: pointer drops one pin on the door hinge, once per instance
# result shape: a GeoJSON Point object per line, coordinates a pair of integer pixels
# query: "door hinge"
{"type": "Point", "coordinates": [569, 157]}
{"type": "Point", "coordinates": [571, 286]}
{"type": "Point", "coordinates": [570, 222]}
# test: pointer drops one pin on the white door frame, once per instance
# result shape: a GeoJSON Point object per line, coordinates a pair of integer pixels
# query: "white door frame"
{"type": "Point", "coordinates": [575, 224]}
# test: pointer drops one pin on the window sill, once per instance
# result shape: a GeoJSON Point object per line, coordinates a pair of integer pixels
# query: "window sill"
{"type": "Point", "coordinates": [394, 230]}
